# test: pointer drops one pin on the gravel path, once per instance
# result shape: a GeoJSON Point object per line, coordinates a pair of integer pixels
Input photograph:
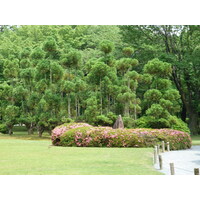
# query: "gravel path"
{"type": "Point", "coordinates": [184, 161]}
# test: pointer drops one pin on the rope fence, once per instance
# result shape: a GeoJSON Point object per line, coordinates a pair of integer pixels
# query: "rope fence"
{"type": "Point", "coordinates": [158, 159]}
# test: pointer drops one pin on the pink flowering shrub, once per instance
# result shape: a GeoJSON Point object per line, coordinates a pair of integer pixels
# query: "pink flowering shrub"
{"type": "Point", "coordinates": [59, 130]}
{"type": "Point", "coordinates": [177, 139]}
{"type": "Point", "coordinates": [87, 136]}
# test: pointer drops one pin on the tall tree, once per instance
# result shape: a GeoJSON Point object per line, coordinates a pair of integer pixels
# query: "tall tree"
{"type": "Point", "coordinates": [176, 45]}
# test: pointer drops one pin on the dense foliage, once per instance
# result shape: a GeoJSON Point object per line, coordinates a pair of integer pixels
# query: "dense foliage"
{"type": "Point", "coordinates": [83, 135]}
{"type": "Point", "coordinates": [50, 75]}
{"type": "Point", "coordinates": [179, 46]}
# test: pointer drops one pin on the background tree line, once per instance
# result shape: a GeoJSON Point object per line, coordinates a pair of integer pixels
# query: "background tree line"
{"type": "Point", "coordinates": [55, 74]}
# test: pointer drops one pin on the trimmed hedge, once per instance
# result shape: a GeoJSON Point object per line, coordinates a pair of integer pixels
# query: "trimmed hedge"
{"type": "Point", "coordinates": [84, 135]}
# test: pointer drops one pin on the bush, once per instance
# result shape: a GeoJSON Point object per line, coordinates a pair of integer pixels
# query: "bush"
{"type": "Point", "coordinates": [59, 130]}
{"type": "Point", "coordinates": [84, 135]}
{"type": "Point", "coordinates": [103, 120]}
{"type": "Point", "coordinates": [67, 120]}
{"type": "Point", "coordinates": [172, 122]}
{"type": "Point", "coordinates": [151, 122]}
{"type": "Point", "coordinates": [100, 137]}
{"type": "Point", "coordinates": [3, 128]}
{"type": "Point", "coordinates": [129, 122]}
{"type": "Point", "coordinates": [178, 124]}
{"type": "Point", "coordinates": [159, 123]}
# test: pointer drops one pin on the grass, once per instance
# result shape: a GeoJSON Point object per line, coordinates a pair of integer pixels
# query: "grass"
{"type": "Point", "coordinates": [195, 139]}
{"type": "Point", "coordinates": [30, 155]}
{"type": "Point", "coordinates": [22, 135]}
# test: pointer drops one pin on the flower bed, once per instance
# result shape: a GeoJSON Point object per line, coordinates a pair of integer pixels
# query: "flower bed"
{"type": "Point", "coordinates": [84, 135]}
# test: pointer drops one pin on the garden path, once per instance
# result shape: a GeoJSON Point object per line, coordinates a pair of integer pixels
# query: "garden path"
{"type": "Point", "coordinates": [184, 161]}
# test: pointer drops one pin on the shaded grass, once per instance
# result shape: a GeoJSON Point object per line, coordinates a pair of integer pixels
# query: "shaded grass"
{"type": "Point", "coordinates": [195, 139]}
{"type": "Point", "coordinates": [23, 135]}
{"type": "Point", "coordinates": [19, 128]}
{"type": "Point", "coordinates": [23, 154]}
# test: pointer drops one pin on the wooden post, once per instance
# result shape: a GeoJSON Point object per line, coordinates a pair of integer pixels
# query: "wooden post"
{"type": "Point", "coordinates": [155, 155]}
{"type": "Point", "coordinates": [163, 146]}
{"type": "Point", "coordinates": [158, 149]}
{"type": "Point", "coordinates": [168, 148]}
{"type": "Point", "coordinates": [172, 168]}
{"type": "Point", "coordinates": [196, 171]}
{"type": "Point", "coordinates": [160, 162]}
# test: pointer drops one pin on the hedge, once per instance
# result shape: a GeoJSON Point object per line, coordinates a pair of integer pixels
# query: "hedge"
{"type": "Point", "coordinates": [84, 135]}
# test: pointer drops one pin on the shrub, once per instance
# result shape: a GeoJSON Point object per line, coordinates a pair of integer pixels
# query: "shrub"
{"type": "Point", "coordinates": [159, 123]}
{"type": "Point", "coordinates": [178, 124]}
{"type": "Point", "coordinates": [100, 137]}
{"type": "Point", "coordinates": [67, 120]}
{"type": "Point", "coordinates": [59, 130]}
{"type": "Point", "coordinates": [112, 116]}
{"type": "Point", "coordinates": [172, 122]}
{"type": "Point", "coordinates": [129, 122]}
{"type": "Point", "coordinates": [3, 128]}
{"type": "Point", "coordinates": [84, 135]}
{"type": "Point", "coordinates": [151, 122]}
{"type": "Point", "coordinates": [177, 139]}
{"type": "Point", "coordinates": [103, 120]}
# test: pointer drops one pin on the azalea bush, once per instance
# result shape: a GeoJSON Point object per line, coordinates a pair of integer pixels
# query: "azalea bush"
{"type": "Point", "coordinates": [84, 135]}
{"type": "Point", "coordinates": [59, 130]}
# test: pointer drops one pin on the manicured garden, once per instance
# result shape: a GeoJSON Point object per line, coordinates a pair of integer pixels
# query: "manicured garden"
{"type": "Point", "coordinates": [90, 150]}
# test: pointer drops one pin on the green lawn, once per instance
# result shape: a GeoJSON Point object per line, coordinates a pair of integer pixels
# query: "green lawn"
{"type": "Point", "coordinates": [23, 154]}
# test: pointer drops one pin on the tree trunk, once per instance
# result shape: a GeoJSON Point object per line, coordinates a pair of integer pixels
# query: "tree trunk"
{"type": "Point", "coordinates": [108, 103]}
{"type": "Point", "coordinates": [49, 132]}
{"type": "Point", "coordinates": [40, 131]}
{"type": "Point", "coordinates": [30, 131]}
{"type": "Point", "coordinates": [101, 105]}
{"type": "Point", "coordinates": [193, 122]}
{"type": "Point", "coordinates": [78, 107]}
{"type": "Point", "coordinates": [135, 110]}
{"type": "Point", "coordinates": [69, 113]}
{"type": "Point", "coordinates": [50, 76]}
{"type": "Point", "coordinates": [183, 113]}
{"type": "Point", "coordinates": [187, 106]}
{"type": "Point", "coordinates": [129, 83]}
{"type": "Point", "coordinates": [126, 110]}
{"type": "Point", "coordinates": [101, 99]}
{"type": "Point", "coordinates": [30, 128]}
{"type": "Point", "coordinates": [10, 132]}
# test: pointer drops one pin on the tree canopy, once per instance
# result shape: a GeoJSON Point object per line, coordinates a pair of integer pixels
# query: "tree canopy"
{"type": "Point", "coordinates": [55, 74]}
